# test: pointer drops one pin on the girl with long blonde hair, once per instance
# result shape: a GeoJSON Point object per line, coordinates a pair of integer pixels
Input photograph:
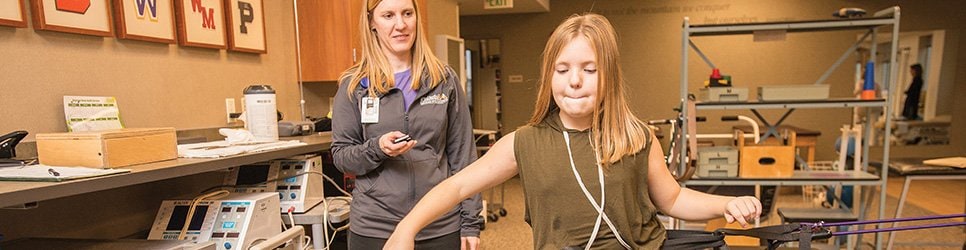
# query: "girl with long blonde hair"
{"type": "Point", "coordinates": [591, 173]}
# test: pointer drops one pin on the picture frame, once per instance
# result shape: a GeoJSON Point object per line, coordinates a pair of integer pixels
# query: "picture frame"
{"type": "Point", "coordinates": [145, 20]}
{"type": "Point", "coordinates": [201, 23]}
{"type": "Point", "coordinates": [246, 26]}
{"type": "Point", "coordinates": [80, 17]}
{"type": "Point", "coordinates": [12, 13]}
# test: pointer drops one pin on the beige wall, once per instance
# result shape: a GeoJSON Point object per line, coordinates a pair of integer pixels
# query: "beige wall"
{"type": "Point", "coordinates": [650, 33]}
{"type": "Point", "coordinates": [444, 19]}
{"type": "Point", "coordinates": [157, 85]}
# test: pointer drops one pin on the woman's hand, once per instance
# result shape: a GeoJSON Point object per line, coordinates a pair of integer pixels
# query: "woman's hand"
{"type": "Point", "coordinates": [397, 242]}
{"type": "Point", "coordinates": [394, 149]}
{"type": "Point", "coordinates": [742, 209]}
{"type": "Point", "coordinates": [469, 243]}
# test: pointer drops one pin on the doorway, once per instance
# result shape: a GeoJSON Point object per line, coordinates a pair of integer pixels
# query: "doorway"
{"type": "Point", "coordinates": [484, 82]}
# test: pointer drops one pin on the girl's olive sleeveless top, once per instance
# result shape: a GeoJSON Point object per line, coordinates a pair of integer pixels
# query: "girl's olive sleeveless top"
{"type": "Point", "coordinates": [557, 209]}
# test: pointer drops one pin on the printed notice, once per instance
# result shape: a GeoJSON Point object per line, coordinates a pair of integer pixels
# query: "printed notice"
{"type": "Point", "coordinates": [91, 113]}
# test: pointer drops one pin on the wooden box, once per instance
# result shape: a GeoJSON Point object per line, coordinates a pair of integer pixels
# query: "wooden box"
{"type": "Point", "coordinates": [107, 149]}
{"type": "Point", "coordinates": [761, 161]}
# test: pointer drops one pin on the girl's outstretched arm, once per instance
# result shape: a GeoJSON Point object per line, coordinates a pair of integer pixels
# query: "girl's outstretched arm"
{"type": "Point", "coordinates": [495, 167]}
{"type": "Point", "coordinates": [687, 204]}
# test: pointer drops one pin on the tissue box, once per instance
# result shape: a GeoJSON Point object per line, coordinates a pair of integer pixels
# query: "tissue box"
{"type": "Point", "coordinates": [107, 149]}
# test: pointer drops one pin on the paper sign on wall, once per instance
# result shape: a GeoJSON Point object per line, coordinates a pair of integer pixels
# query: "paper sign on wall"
{"type": "Point", "coordinates": [91, 113]}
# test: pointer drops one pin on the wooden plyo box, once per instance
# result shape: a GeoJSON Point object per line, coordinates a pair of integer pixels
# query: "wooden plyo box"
{"type": "Point", "coordinates": [107, 149]}
{"type": "Point", "coordinates": [760, 161]}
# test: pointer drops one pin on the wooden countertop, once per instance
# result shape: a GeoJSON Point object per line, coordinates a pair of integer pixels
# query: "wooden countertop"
{"type": "Point", "coordinates": [20, 192]}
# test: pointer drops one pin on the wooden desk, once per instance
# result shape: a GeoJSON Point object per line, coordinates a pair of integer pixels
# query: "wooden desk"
{"type": "Point", "coordinates": [21, 192]}
{"type": "Point", "coordinates": [804, 138]}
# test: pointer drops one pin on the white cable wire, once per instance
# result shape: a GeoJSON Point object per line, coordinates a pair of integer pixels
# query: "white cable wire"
{"type": "Point", "coordinates": [291, 219]}
{"type": "Point", "coordinates": [328, 223]}
{"type": "Point", "coordinates": [325, 206]}
{"type": "Point", "coordinates": [327, 178]}
{"type": "Point", "coordinates": [325, 222]}
{"type": "Point", "coordinates": [194, 204]}
{"type": "Point", "coordinates": [600, 209]}
{"type": "Point", "coordinates": [308, 243]}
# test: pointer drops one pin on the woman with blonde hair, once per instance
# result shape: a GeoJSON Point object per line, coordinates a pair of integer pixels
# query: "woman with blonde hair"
{"type": "Point", "coordinates": [591, 173]}
{"type": "Point", "coordinates": [401, 125]}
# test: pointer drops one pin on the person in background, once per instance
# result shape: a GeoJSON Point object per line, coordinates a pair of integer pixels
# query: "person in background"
{"type": "Point", "coordinates": [910, 109]}
{"type": "Point", "coordinates": [592, 173]}
{"type": "Point", "coordinates": [401, 125]}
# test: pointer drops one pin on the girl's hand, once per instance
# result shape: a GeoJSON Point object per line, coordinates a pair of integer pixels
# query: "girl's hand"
{"type": "Point", "coordinates": [742, 209]}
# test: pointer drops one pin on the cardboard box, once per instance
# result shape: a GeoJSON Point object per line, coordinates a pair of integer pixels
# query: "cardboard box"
{"type": "Point", "coordinates": [793, 92]}
{"type": "Point", "coordinates": [107, 149]}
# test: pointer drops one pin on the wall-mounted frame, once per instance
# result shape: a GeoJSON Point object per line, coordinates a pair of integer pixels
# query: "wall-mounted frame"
{"type": "Point", "coordinates": [82, 17]}
{"type": "Point", "coordinates": [246, 25]}
{"type": "Point", "coordinates": [13, 14]}
{"type": "Point", "coordinates": [145, 20]}
{"type": "Point", "coordinates": [201, 23]}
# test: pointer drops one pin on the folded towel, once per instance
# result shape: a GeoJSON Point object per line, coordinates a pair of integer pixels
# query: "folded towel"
{"type": "Point", "coordinates": [956, 162]}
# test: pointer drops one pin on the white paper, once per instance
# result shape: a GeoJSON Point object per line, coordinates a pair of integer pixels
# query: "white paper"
{"type": "Point", "coordinates": [42, 172]}
{"type": "Point", "coordinates": [217, 149]}
{"type": "Point", "coordinates": [91, 113]}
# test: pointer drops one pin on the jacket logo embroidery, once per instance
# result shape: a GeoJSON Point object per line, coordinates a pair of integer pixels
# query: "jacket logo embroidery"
{"type": "Point", "coordinates": [434, 99]}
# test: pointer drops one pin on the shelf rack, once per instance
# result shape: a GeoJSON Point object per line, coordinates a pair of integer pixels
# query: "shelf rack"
{"type": "Point", "coordinates": [886, 17]}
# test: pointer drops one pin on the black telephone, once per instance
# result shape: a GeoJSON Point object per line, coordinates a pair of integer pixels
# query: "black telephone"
{"type": "Point", "coordinates": [8, 147]}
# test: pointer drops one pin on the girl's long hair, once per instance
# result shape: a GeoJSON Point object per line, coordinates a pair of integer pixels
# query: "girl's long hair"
{"type": "Point", "coordinates": [615, 131]}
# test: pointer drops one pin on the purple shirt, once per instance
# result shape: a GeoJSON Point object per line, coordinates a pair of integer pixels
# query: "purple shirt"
{"type": "Point", "coordinates": [404, 83]}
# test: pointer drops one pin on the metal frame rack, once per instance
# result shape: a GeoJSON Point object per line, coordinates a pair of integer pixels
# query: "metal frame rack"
{"type": "Point", "coordinates": [886, 17]}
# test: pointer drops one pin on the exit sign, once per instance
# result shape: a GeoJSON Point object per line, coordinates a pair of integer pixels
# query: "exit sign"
{"type": "Point", "coordinates": [497, 4]}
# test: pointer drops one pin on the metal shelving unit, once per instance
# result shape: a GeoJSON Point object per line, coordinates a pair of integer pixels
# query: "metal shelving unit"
{"type": "Point", "coordinates": [798, 178]}
{"type": "Point", "coordinates": [886, 17]}
{"type": "Point", "coordinates": [830, 103]}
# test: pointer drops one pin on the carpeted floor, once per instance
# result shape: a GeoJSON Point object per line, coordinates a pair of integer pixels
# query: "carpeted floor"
{"type": "Point", "coordinates": [512, 232]}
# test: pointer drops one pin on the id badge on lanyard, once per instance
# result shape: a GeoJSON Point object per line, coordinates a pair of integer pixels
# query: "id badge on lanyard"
{"type": "Point", "coordinates": [370, 110]}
